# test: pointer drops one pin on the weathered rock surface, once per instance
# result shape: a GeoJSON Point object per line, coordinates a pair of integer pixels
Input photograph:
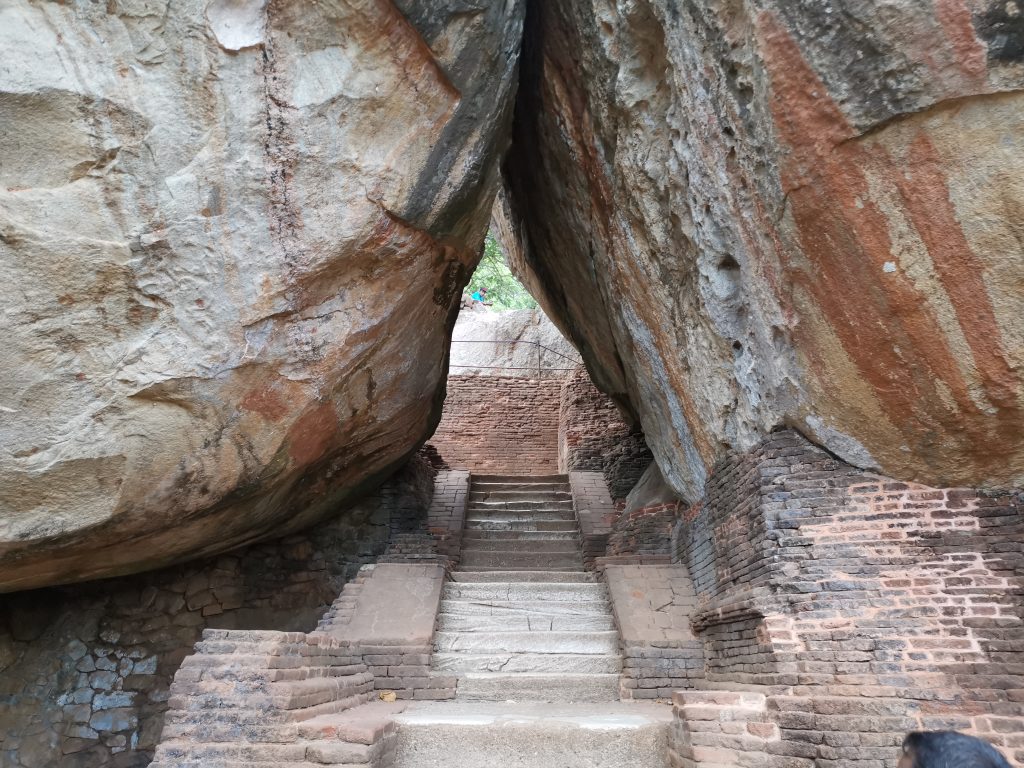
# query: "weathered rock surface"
{"type": "Point", "coordinates": [780, 212]}
{"type": "Point", "coordinates": [233, 237]}
{"type": "Point", "coordinates": [517, 342]}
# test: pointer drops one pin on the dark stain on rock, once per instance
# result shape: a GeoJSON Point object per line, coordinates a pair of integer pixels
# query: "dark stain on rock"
{"type": "Point", "coordinates": [452, 280]}
{"type": "Point", "coordinates": [1002, 29]}
{"type": "Point", "coordinates": [871, 79]}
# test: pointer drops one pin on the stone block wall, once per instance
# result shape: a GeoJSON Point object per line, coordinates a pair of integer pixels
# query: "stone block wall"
{"type": "Point", "coordinates": [860, 606]}
{"type": "Point", "coordinates": [500, 424]}
{"type": "Point", "coordinates": [593, 436]}
{"type": "Point", "coordinates": [85, 670]}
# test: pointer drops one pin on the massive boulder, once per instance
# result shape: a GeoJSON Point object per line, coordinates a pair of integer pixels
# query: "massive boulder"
{"type": "Point", "coordinates": [233, 238]}
{"type": "Point", "coordinates": [516, 342]}
{"type": "Point", "coordinates": [777, 212]}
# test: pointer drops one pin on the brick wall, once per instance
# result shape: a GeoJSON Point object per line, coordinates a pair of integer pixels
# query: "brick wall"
{"type": "Point", "coordinates": [85, 670]}
{"type": "Point", "coordinates": [594, 437]}
{"type": "Point", "coordinates": [644, 531]}
{"type": "Point", "coordinates": [500, 424]}
{"type": "Point", "coordinates": [868, 607]}
{"type": "Point", "coordinates": [595, 512]}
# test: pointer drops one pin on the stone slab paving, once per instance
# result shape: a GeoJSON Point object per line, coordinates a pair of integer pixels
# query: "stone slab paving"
{"type": "Point", "coordinates": [532, 735]}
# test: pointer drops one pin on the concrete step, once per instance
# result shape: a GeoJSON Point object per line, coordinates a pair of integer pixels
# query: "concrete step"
{"type": "Point", "coordinates": [454, 622]}
{"type": "Point", "coordinates": [519, 479]}
{"type": "Point", "coordinates": [525, 592]}
{"type": "Point", "coordinates": [581, 642]}
{"type": "Point", "coordinates": [547, 609]}
{"type": "Point", "coordinates": [485, 535]}
{"type": "Point", "coordinates": [504, 523]}
{"type": "Point", "coordinates": [562, 663]}
{"type": "Point", "coordinates": [553, 686]}
{"type": "Point", "coordinates": [478, 577]}
{"type": "Point", "coordinates": [475, 544]}
{"type": "Point", "coordinates": [511, 560]}
{"type": "Point", "coordinates": [471, 735]}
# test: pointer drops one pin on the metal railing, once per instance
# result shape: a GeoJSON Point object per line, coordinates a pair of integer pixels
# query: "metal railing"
{"type": "Point", "coordinates": [540, 348]}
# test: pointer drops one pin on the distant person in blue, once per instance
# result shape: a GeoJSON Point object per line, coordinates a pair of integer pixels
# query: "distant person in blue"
{"type": "Point", "coordinates": [480, 295]}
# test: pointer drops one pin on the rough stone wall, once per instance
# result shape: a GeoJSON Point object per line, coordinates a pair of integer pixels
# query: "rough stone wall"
{"type": "Point", "coordinates": [500, 424]}
{"type": "Point", "coordinates": [592, 435]}
{"type": "Point", "coordinates": [868, 607]}
{"type": "Point", "coordinates": [85, 670]}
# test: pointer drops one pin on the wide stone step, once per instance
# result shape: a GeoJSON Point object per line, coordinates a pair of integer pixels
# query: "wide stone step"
{"type": "Point", "coordinates": [519, 479]}
{"type": "Point", "coordinates": [509, 608]}
{"type": "Point", "coordinates": [512, 560]}
{"type": "Point", "coordinates": [519, 495]}
{"type": "Point", "coordinates": [526, 592]}
{"type": "Point", "coordinates": [520, 505]}
{"type": "Point", "coordinates": [566, 663]}
{"type": "Point", "coordinates": [513, 516]}
{"type": "Point", "coordinates": [568, 577]}
{"type": "Point", "coordinates": [527, 642]}
{"type": "Point", "coordinates": [528, 524]}
{"type": "Point", "coordinates": [544, 686]}
{"type": "Point", "coordinates": [474, 734]}
{"type": "Point", "coordinates": [577, 568]}
{"type": "Point", "coordinates": [485, 535]}
{"type": "Point", "coordinates": [509, 488]}
{"type": "Point", "coordinates": [474, 544]}
{"type": "Point", "coordinates": [453, 622]}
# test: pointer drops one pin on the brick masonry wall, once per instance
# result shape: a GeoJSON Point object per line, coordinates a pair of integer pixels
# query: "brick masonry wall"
{"type": "Point", "coordinates": [866, 607]}
{"type": "Point", "coordinates": [653, 605]}
{"type": "Point", "coordinates": [85, 670]}
{"type": "Point", "coordinates": [644, 531]}
{"type": "Point", "coordinates": [595, 512]}
{"type": "Point", "coordinates": [500, 424]}
{"type": "Point", "coordinates": [594, 437]}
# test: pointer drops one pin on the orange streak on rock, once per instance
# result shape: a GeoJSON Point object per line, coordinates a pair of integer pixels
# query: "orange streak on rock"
{"type": "Point", "coordinates": [925, 194]}
{"type": "Point", "coordinates": [311, 436]}
{"type": "Point", "coordinates": [266, 401]}
{"type": "Point", "coordinates": [955, 18]}
{"type": "Point", "coordinates": [846, 238]}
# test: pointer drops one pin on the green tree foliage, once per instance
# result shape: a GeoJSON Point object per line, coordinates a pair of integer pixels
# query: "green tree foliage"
{"type": "Point", "coordinates": [503, 290]}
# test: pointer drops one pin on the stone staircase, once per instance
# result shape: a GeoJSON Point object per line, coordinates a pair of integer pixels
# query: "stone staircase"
{"type": "Point", "coordinates": [520, 618]}
{"type": "Point", "coordinates": [523, 633]}
{"type": "Point", "coordinates": [530, 637]}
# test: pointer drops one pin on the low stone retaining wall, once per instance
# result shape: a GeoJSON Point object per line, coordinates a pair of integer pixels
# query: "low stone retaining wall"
{"type": "Point", "coordinates": [653, 606]}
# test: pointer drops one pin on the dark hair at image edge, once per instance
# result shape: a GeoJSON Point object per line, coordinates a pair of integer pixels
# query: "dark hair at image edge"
{"type": "Point", "coordinates": [949, 749]}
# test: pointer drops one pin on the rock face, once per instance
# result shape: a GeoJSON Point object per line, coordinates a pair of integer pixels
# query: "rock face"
{"type": "Point", "coordinates": [779, 212]}
{"type": "Point", "coordinates": [233, 237]}
{"type": "Point", "coordinates": [517, 342]}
